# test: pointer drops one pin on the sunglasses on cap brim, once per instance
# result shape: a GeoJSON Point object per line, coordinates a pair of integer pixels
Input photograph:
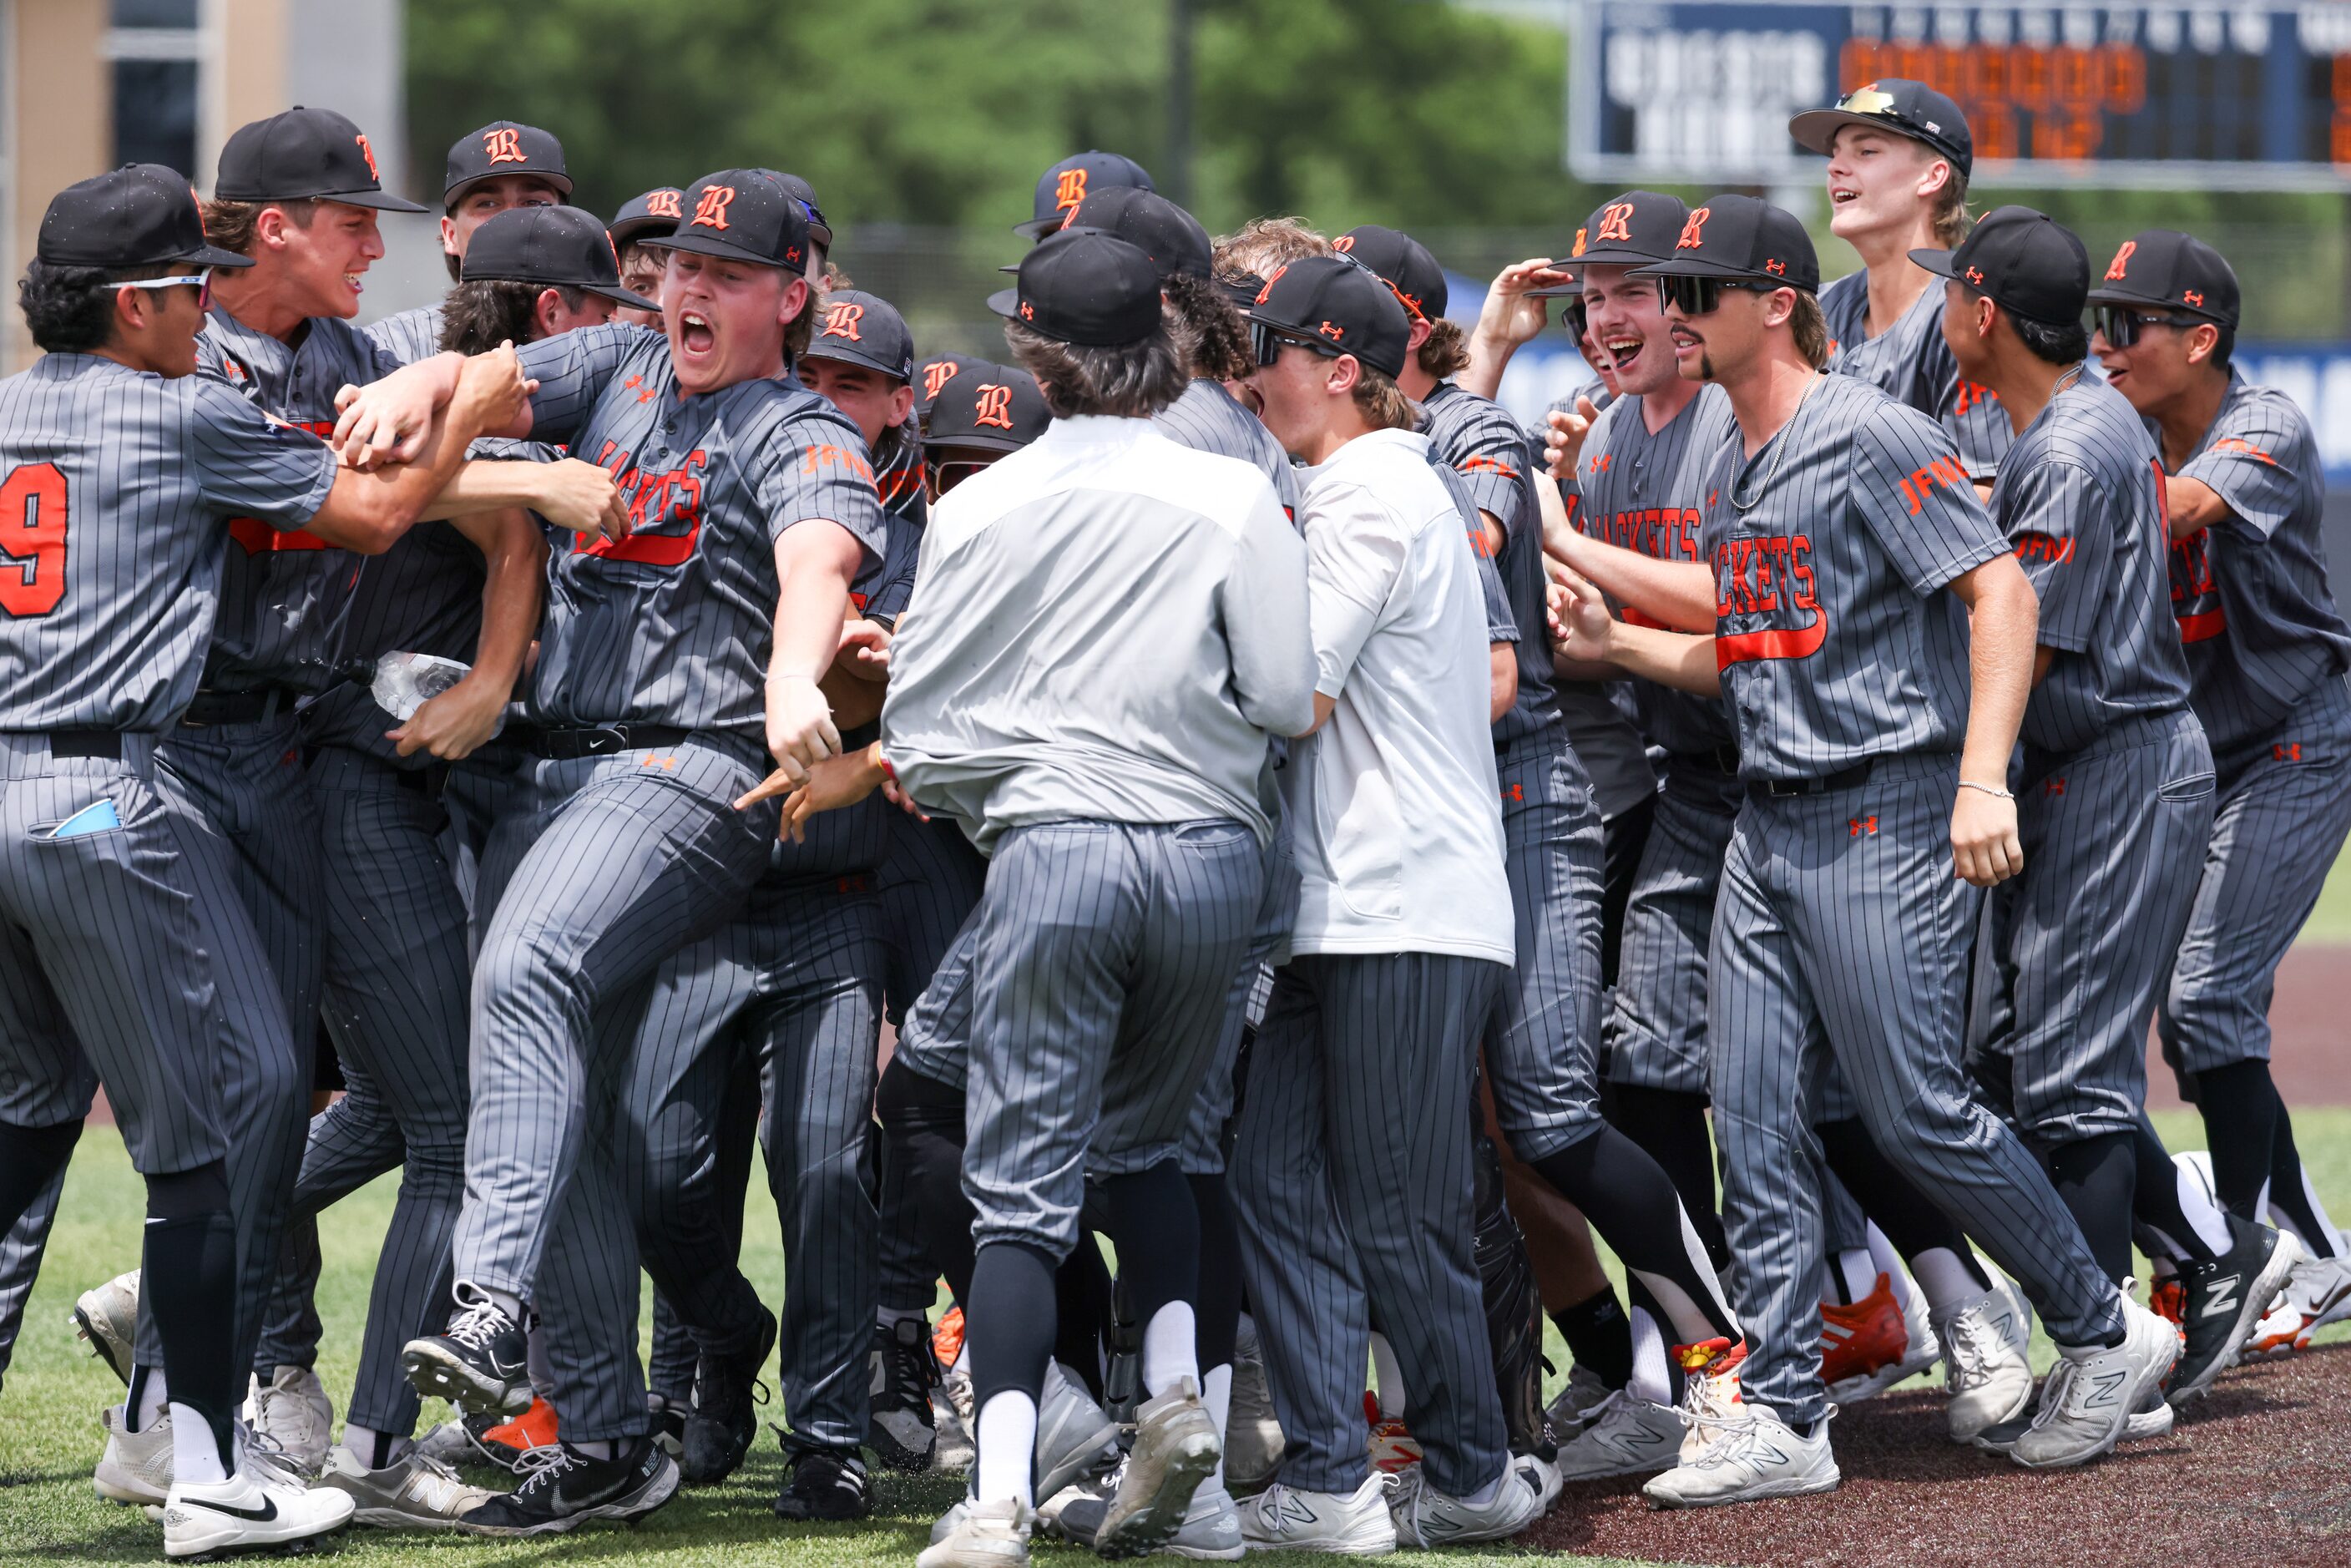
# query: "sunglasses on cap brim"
{"type": "Point", "coordinates": [1271, 341]}
{"type": "Point", "coordinates": [2121, 325]}
{"type": "Point", "coordinates": [1703, 295]}
{"type": "Point", "coordinates": [201, 281]}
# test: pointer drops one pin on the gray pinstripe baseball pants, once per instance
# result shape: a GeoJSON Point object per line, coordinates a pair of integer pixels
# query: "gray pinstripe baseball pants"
{"type": "Point", "coordinates": [1655, 1029]}
{"type": "Point", "coordinates": [796, 980]}
{"type": "Point", "coordinates": [615, 863]}
{"type": "Point", "coordinates": [1841, 935]}
{"type": "Point", "coordinates": [250, 837]}
{"type": "Point", "coordinates": [1104, 960]}
{"type": "Point", "coordinates": [20, 1261]}
{"type": "Point", "coordinates": [2283, 807]}
{"type": "Point", "coordinates": [397, 987]}
{"type": "Point", "coordinates": [1541, 1041]}
{"type": "Point", "coordinates": [1351, 1179]}
{"type": "Point", "coordinates": [2096, 919]}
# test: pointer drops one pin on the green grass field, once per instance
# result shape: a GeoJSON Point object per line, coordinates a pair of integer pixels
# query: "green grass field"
{"type": "Point", "coordinates": [49, 1434]}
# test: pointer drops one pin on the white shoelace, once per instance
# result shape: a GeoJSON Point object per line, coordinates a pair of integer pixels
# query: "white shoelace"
{"type": "Point", "coordinates": [546, 1464]}
{"type": "Point", "coordinates": [479, 1324]}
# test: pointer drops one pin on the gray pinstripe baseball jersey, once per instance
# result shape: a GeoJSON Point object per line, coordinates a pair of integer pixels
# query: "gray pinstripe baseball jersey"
{"type": "Point", "coordinates": [667, 626]}
{"type": "Point", "coordinates": [1606, 740]}
{"type": "Point", "coordinates": [283, 593]}
{"type": "Point", "coordinates": [1642, 489]}
{"type": "Point", "coordinates": [1208, 418]}
{"type": "Point", "coordinates": [411, 335]}
{"type": "Point", "coordinates": [1910, 361]}
{"type": "Point", "coordinates": [1840, 933]}
{"type": "Point", "coordinates": [1474, 437]}
{"type": "Point", "coordinates": [2097, 914]}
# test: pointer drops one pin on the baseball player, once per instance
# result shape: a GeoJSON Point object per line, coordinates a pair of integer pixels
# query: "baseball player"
{"type": "Point", "coordinates": [1063, 187]}
{"type": "Point", "coordinates": [1900, 156]}
{"type": "Point", "coordinates": [2266, 653]}
{"type": "Point", "coordinates": [1124, 870]}
{"type": "Point", "coordinates": [734, 576]}
{"type": "Point", "coordinates": [1834, 526]}
{"type": "Point", "coordinates": [2098, 911]}
{"type": "Point", "coordinates": [130, 473]}
{"type": "Point", "coordinates": [496, 168]}
{"type": "Point", "coordinates": [1400, 950]}
{"type": "Point", "coordinates": [653, 213]}
{"type": "Point", "coordinates": [397, 965]}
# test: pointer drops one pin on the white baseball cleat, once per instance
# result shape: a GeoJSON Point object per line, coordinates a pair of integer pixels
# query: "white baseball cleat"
{"type": "Point", "coordinates": [951, 1408]}
{"type": "Point", "coordinates": [244, 1513]}
{"type": "Point", "coordinates": [1427, 1516]}
{"type": "Point", "coordinates": [1629, 1436]}
{"type": "Point", "coordinates": [983, 1535]}
{"type": "Point", "coordinates": [292, 1412]}
{"type": "Point", "coordinates": [1984, 1366]}
{"type": "Point", "coordinates": [106, 1318]}
{"type": "Point", "coordinates": [136, 1468]}
{"type": "Point", "coordinates": [412, 1492]}
{"type": "Point", "coordinates": [2089, 1396]}
{"type": "Point", "coordinates": [1347, 1524]}
{"type": "Point", "coordinates": [2317, 1292]}
{"type": "Point", "coordinates": [1577, 1405]}
{"type": "Point", "coordinates": [1749, 1457]}
{"type": "Point", "coordinates": [1176, 1449]}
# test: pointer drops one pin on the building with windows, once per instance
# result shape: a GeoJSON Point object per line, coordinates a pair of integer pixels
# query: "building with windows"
{"type": "Point", "coordinates": [87, 85]}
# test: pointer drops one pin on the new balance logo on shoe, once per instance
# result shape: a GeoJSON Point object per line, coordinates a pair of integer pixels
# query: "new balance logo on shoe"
{"type": "Point", "coordinates": [2223, 1297]}
{"type": "Point", "coordinates": [2105, 1387]}
{"type": "Point", "coordinates": [1292, 1512]}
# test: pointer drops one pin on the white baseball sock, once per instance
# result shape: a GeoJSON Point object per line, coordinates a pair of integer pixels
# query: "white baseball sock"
{"type": "Point", "coordinates": [195, 1457]}
{"type": "Point", "coordinates": [1171, 1349]}
{"type": "Point", "coordinates": [1387, 1378]}
{"type": "Point", "coordinates": [1006, 1446]}
{"type": "Point", "coordinates": [1217, 1394]}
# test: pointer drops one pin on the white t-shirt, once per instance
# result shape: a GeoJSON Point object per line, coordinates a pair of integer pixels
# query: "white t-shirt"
{"type": "Point", "coordinates": [1396, 810]}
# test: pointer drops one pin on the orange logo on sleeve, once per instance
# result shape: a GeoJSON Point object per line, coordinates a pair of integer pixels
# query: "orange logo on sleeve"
{"type": "Point", "coordinates": [992, 406]}
{"type": "Point", "coordinates": [710, 210]}
{"type": "Point", "coordinates": [1615, 220]}
{"type": "Point", "coordinates": [840, 321]}
{"type": "Point", "coordinates": [662, 204]}
{"type": "Point", "coordinates": [1946, 471]}
{"type": "Point", "coordinates": [1692, 230]}
{"type": "Point", "coordinates": [1070, 189]}
{"type": "Point", "coordinates": [504, 146]}
{"type": "Point", "coordinates": [2122, 260]}
{"type": "Point", "coordinates": [936, 374]}
{"type": "Point", "coordinates": [368, 152]}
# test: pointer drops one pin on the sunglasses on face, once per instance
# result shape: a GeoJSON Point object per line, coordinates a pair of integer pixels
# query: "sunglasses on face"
{"type": "Point", "coordinates": [946, 476]}
{"type": "Point", "coordinates": [1269, 342]}
{"type": "Point", "coordinates": [2121, 326]}
{"type": "Point", "coordinates": [201, 282]}
{"type": "Point", "coordinates": [1575, 317]}
{"type": "Point", "coordinates": [1702, 296]}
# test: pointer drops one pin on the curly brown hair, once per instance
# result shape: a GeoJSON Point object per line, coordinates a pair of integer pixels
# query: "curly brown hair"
{"type": "Point", "coordinates": [1261, 245]}
{"type": "Point", "coordinates": [1447, 349]}
{"type": "Point", "coordinates": [1212, 337]}
{"type": "Point", "coordinates": [1128, 381]}
{"type": "Point", "coordinates": [477, 317]}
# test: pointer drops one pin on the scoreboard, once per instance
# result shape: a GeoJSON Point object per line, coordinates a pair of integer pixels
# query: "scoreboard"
{"type": "Point", "coordinates": [2225, 96]}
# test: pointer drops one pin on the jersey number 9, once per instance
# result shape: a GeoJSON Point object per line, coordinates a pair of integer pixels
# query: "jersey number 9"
{"type": "Point", "coordinates": [33, 539]}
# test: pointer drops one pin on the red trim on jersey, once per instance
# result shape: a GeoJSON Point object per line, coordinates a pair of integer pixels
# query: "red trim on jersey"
{"type": "Point", "coordinates": [2203, 626]}
{"type": "Point", "coordinates": [1777, 643]}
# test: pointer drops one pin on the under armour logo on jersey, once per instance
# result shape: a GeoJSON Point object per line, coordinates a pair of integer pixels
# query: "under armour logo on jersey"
{"type": "Point", "coordinates": [368, 152]}
{"type": "Point", "coordinates": [936, 374]}
{"type": "Point", "coordinates": [840, 320]}
{"type": "Point", "coordinates": [663, 204]}
{"type": "Point", "coordinates": [1691, 230]}
{"type": "Point", "coordinates": [992, 406]}
{"type": "Point", "coordinates": [1860, 825]}
{"type": "Point", "coordinates": [1615, 221]}
{"type": "Point", "coordinates": [1516, 794]}
{"type": "Point", "coordinates": [504, 146]}
{"type": "Point", "coordinates": [710, 209]}
{"type": "Point", "coordinates": [1600, 462]}
{"type": "Point", "coordinates": [2286, 751]}
{"type": "Point", "coordinates": [2053, 786]}
{"type": "Point", "coordinates": [666, 764]}
{"type": "Point", "coordinates": [2122, 260]}
{"type": "Point", "coordinates": [1070, 189]}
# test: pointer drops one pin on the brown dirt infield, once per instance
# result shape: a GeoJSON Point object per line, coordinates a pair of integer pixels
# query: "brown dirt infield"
{"type": "Point", "coordinates": [2258, 1473]}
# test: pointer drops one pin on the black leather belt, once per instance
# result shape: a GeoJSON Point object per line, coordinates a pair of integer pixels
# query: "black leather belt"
{"type": "Point", "coordinates": [598, 740]}
{"type": "Point", "coordinates": [1784, 788]}
{"type": "Point", "coordinates": [105, 744]}
{"type": "Point", "coordinates": [256, 706]}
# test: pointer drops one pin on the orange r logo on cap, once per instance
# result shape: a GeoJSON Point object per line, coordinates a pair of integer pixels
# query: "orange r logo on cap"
{"type": "Point", "coordinates": [368, 152]}
{"type": "Point", "coordinates": [992, 405]}
{"type": "Point", "coordinates": [840, 321]}
{"type": "Point", "coordinates": [504, 146]}
{"type": "Point", "coordinates": [662, 204]}
{"type": "Point", "coordinates": [710, 210]}
{"type": "Point", "coordinates": [1691, 230]}
{"type": "Point", "coordinates": [1614, 220]}
{"type": "Point", "coordinates": [2122, 260]}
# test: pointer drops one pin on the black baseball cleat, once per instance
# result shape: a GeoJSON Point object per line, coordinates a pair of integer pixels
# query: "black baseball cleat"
{"type": "Point", "coordinates": [901, 1430]}
{"type": "Point", "coordinates": [725, 1417]}
{"type": "Point", "coordinates": [479, 1362]}
{"type": "Point", "coordinates": [824, 1484]}
{"type": "Point", "coordinates": [669, 1423]}
{"type": "Point", "coordinates": [2223, 1301]}
{"type": "Point", "coordinates": [563, 1488]}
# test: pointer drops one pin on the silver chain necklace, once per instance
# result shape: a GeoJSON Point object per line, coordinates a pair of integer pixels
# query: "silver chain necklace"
{"type": "Point", "coordinates": [1782, 440]}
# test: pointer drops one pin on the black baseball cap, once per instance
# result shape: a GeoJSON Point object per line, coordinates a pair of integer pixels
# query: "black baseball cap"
{"type": "Point", "coordinates": [2173, 271]}
{"type": "Point", "coordinates": [1906, 108]}
{"type": "Point", "coordinates": [741, 214]}
{"type": "Point", "coordinates": [300, 155]}
{"type": "Point", "coordinates": [862, 328]}
{"type": "Point", "coordinates": [654, 213]}
{"type": "Point", "coordinates": [1402, 262]}
{"type": "Point", "coordinates": [1741, 237]}
{"type": "Point", "coordinates": [819, 232]}
{"type": "Point", "coordinates": [1342, 303]}
{"type": "Point", "coordinates": [503, 147]}
{"type": "Point", "coordinates": [1084, 288]}
{"type": "Point", "coordinates": [1172, 237]}
{"type": "Point", "coordinates": [1627, 230]}
{"type": "Point", "coordinates": [2025, 262]}
{"type": "Point", "coordinates": [1071, 181]}
{"type": "Point", "coordinates": [934, 373]}
{"type": "Point", "coordinates": [141, 214]}
{"type": "Point", "coordinates": [995, 408]}
{"type": "Point", "coordinates": [560, 246]}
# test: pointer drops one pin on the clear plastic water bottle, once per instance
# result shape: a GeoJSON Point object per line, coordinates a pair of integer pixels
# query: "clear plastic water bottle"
{"type": "Point", "coordinates": [404, 681]}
